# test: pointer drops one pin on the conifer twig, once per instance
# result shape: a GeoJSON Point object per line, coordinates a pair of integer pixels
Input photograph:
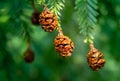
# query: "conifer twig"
{"type": "Point", "coordinates": [86, 11]}
{"type": "Point", "coordinates": [56, 7]}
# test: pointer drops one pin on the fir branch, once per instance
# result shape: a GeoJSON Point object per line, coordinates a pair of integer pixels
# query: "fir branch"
{"type": "Point", "coordinates": [41, 2]}
{"type": "Point", "coordinates": [86, 10]}
{"type": "Point", "coordinates": [56, 6]}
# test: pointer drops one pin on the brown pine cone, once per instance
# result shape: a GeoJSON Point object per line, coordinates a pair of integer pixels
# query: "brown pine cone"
{"type": "Point", "coordinates": [48, 20]}
{"type": "Point", "coordinates": [63, 45]}
{"type": "Point", "coordinates": [29, 55]}
{"type": "Point", "coordinates": [95, 58]}
{"type": "Point", "coordinates": [35, 18]}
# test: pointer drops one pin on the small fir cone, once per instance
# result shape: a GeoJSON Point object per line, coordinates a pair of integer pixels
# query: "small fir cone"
{"type": "Point", "coordinates": [63, 45]}
{"type": "Point", "coordinates": [95, 58]}
{"type": "Point", "coordinates": [35, 18]}
{"type": "Point", "coordinates": [48, 20]}
{"type": "Point", "coordinates": [29, 55]}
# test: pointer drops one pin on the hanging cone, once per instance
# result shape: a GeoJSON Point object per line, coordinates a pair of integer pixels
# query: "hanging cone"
{"type": "Point", "coordinates": [35, 14]}
{"type": "Point", "coordinates": [95, 58]}
{"type": "Point", "coordinates": [35, 18]}
{"type": "Point", "coordinates": [48, 20]}
{"type": "Point", "coordinates": [29, 55]}
{"type": "Point", "coordinates": [63, 45]}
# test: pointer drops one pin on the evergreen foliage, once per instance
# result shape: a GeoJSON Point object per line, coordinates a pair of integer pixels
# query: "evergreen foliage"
{"type": "Point", "coordinates": [41, 1]}
{"type": "Point", "coordinates": [86, 11]}
{"type": "Point", "coordinates": [58, 6]}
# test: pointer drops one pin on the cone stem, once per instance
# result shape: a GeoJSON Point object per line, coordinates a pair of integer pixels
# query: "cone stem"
{"type": "Point", "coordinates": [45, 7]}
{"type": "Point", "coordinates": [60, 32]}
{"type": "Point", "coordinates": [33, 4]}
{"type": "Point", "coordinates": [91, 46]}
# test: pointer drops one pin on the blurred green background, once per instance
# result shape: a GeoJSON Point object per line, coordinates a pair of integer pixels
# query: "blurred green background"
{"type": "Point", "coordinates": [48, 65]}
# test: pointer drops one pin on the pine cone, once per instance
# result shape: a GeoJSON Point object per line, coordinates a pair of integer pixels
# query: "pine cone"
{"type": "Point", "coordinates": [63, 45]}
{"type": "Point", "coordinates": [35, 18]}
{"type": "Point", "coordinates": [48, 20]}
{"type": "Point", "coordinates": [29, 56]}
{"type": "Point", "coordinates": [95, 58]}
